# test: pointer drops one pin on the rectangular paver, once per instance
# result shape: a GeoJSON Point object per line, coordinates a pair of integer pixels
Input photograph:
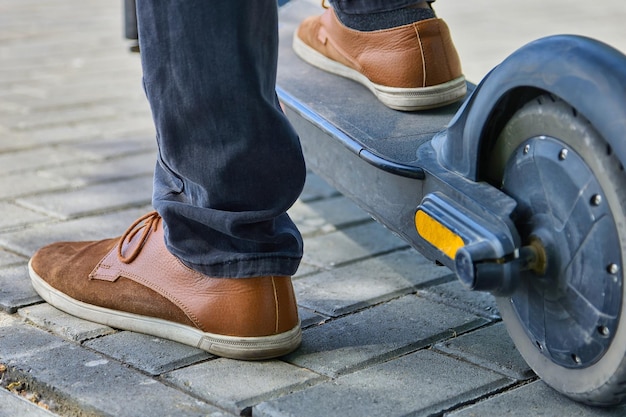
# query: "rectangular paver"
{"type": "Point", "coordinates": [12, 405]}
{"type": "Point", "coordinates": [84, 380]}
{"type": "Point", "coordinates": [93, 199]}
{"type": "Point", "coordinates": [421, 384]}
{"type": "Point", "coordinates": [350, 245]}
{"type": "Point", "coordinates": [62, 324]}
{"type": "Point", "coordinates": [453, 293]}
{"type": "Point", "coordinates": [26, 183]}
{"type": "Point", "coordinates": [535, 399]}
{"type": "Point", "coordinates": [13, 216]}
{"type": "Point", "coordinates": [355, 286]}
{"type": "Point", "coordinates": [327, 215]}
{"type": "Point", "coordinates": [15, 289]}
{"type": "Point", "coordinates": [26, 242]}
{"type": "Point", "coordinates": [120, 168]}
{"type": "Point", "coordinates": [117, 147]}
{"type": "Point", "coordinates": [489, 347]}
{"type": "Point", "coordinates": [236, 385]}
{"type": "Point", "coordinates": [315, 188]}
{"type": "Point", "coordinates": [37, 158]}
{"type": "Point", "coordinates": [378, 334]}
{"type": "Point", "coordinates": [150, 354]}
{"type": "Point", "coordinates": [10, 259]}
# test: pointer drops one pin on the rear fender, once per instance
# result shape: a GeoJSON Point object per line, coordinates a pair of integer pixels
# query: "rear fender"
{"type": "Point", "coordinates": [587, 74]}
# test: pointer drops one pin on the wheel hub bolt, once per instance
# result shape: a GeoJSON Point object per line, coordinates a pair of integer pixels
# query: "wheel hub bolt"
{"type": "Point", "coordinates": [613, 269]}
{"type": "Point", "coordinates": [596, 199]}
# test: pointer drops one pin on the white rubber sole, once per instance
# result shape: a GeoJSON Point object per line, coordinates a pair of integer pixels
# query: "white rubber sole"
{"type": "Point", "coordinates": [405, 99]}
{"type": "Point", "coordinates": [245, 348]}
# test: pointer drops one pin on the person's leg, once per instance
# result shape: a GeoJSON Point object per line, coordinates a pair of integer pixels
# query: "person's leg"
{"type": "Point", "coordinates": [229, 167]}
{"type": "Point", "coordinates": [372, 6]}
{"type": "Point", "coordinates": [369, 15]}
{"type": "Point", "coordinates": [230, 163]}
{"type": "Point", "coordinates": [399, 50]}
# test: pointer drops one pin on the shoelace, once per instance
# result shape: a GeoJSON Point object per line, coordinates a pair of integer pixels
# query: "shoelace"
{"type": "Point", "coordinates": [145, 225]}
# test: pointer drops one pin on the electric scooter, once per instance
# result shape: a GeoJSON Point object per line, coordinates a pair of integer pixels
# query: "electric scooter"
{"type": "Point", "coordinates": [520, 190]}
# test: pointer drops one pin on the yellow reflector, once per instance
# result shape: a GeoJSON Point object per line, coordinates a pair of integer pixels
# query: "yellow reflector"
{"type": "Point", "coordinates": [437, 234]}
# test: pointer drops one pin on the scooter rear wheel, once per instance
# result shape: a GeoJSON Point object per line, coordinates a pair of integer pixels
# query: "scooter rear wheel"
{"type": "Point", "coordinates": [567, 316]}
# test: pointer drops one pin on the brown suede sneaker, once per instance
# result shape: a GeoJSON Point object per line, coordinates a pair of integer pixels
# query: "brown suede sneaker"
{"type": "Point", "coordinates": [410, 67]}
{"type": "Point", "coordinates": [134, 283]}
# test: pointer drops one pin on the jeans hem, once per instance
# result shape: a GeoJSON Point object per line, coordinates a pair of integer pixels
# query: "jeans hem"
{"type": "Point", "coordinates": [249, 268]}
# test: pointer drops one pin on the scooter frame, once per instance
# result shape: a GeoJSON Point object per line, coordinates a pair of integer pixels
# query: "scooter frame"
{"type": "Point", "coordinates": [433, 190]}
{"type": "Point", "coordinates": [437, 196]}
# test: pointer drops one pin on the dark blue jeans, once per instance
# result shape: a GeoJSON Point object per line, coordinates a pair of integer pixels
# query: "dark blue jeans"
{"type": "Point", "coordinates": [230, 164]}
{"type": "Point", "coordinates": [371, 6]}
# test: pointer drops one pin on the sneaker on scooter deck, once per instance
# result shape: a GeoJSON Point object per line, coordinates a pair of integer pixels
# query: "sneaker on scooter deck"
{"type": "Point", "coordinates": [134, 283]}
{"type": "Point", "coordinates": [410, 67]}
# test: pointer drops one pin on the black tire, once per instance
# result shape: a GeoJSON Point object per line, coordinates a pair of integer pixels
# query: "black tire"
{"type": "Point", "coordinates": [548, 315]}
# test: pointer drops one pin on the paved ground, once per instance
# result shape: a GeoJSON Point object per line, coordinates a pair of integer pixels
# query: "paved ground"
{"type": "Point", "coordinates": [386, 332]}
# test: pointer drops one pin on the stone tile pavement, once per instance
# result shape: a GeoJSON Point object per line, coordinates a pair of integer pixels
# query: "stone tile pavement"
{"type": "Point", "coordinates": [386, 333]}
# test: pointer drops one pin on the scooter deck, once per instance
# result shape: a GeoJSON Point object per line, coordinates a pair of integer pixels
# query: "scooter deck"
{"type": "Point", "coordinates": [362, 148]}
{"type": "Point", "coordinates": [346, 110]}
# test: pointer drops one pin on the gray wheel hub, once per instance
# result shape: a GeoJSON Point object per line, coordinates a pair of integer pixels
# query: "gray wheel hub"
{"type": "Point", "coordinates": [571, 310]}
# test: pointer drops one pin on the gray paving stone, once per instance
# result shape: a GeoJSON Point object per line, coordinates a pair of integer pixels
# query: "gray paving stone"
{"type": "Point", "coordinates": [315, 188]}
{"type": "Point", "coordinates": [48, 70]}
{"type": "Point", "coordinates": [19, 340]}
{"type": "Point", "coordinates": [27, 241]}
{"type": "Point", "coordinates": [12, 405]}
{"type": "Point", "coordinates": [236, 385]}
{"type": "Point", "coordinates": [36, 158]}
{"type": "Point", "coordinates": [128, 125]}
{"type": "Point", "coordinates": [93, 199]}
{"type": "Point", "coordinates": [378, 334]}
{"type": "Point", "coordinates": [490, 347]}
{"type": "Point", "coordinates": [455, 294]}
{"type": "Point", "coordinates": [8, 106]}
{"type": "Point", "coordinates": [138, 106]}
{"type": "Point", "coordinates": [350, 244]}
{"type": "Point", "coordinates": [22, 103]}
{"type": "Point", "coordinates": [13, 216]}
{"type": "Point", "coordinates": [117, 147]}
{"type": "Point", "coordinates": [305, 269]}
{"type": "Point", "coordinates": [150, 354]}
{"type": "Point", "coordinates": [62, 324]}
{"type": "Point", "coordinates": [66, 64]}
{"type": "Point", "coordinates": [57, 118]}
{"type": "Point", "coordinates": [534, 399]}
{"type": "Point", "coordinates": [349, 288]}
{"type": "Point", "coordinates": [327, 215]}
{"type": "Point", "coordinates": [105, 62]}
{"type": "Point", "coordinates": [105, 171]}
{"type": "Point", "coordinates": [310, 318]}
{"type": "Point", "coordinates": [15, 289]}
{"type": "Point", "coordinates": [25, 183]}
{"type": "Point", "coordinates": [89, 381]}
{"type": "Point", "coordinates": [421, 384]}
{"type": "Point", "coordinates": [51, 135]}
{"type": "Point", "coordinates": [7, 319]}
{"type": "Point", "coordinates": [10, 259]}
{"type": "Point", "coordinates": [516, 25]}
